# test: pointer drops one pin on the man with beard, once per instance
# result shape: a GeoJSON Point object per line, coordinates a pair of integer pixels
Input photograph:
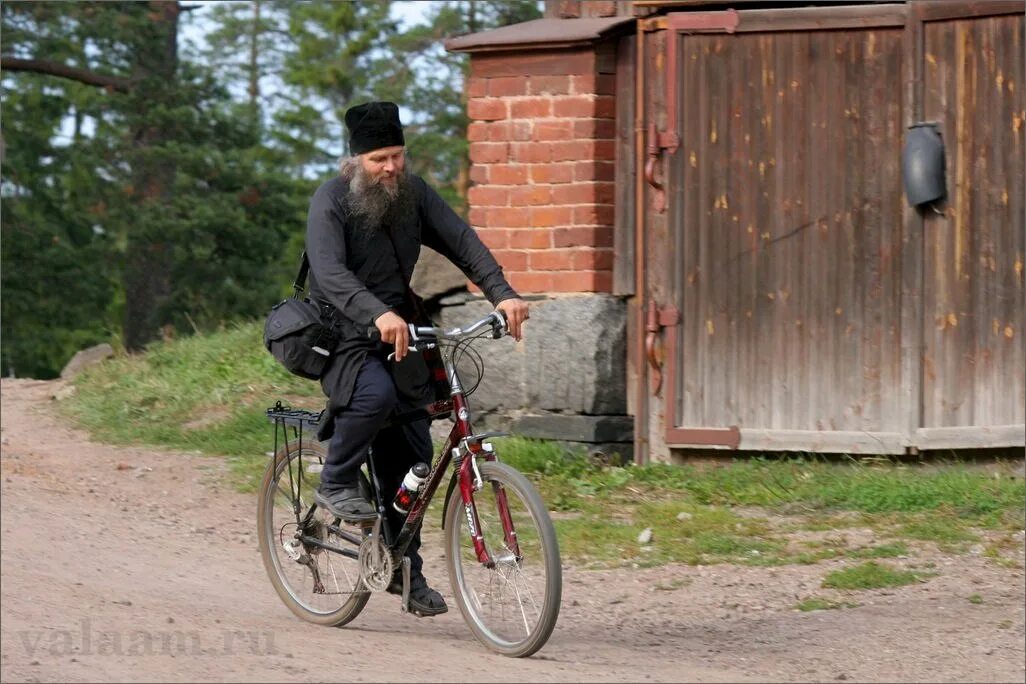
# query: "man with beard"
{"type": "Point", "coordinates": [363, 237]}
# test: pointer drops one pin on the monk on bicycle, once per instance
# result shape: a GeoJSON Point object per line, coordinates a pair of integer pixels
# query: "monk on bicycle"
{"type": "Point", "coordinates": [363, 238]}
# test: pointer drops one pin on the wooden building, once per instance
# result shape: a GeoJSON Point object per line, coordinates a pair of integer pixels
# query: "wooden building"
{"type": "Point", "coordinates": [735, 173]}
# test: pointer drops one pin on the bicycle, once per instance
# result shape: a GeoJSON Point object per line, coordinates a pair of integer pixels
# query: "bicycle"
{"type": "Point", "coordinates": [501, 549]}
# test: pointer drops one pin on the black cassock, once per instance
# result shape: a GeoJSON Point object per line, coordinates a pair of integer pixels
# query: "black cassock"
{"type": "Point", "coordinates": [363, 272]}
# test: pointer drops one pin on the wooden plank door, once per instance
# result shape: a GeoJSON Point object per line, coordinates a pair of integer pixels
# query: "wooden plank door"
{"type": "Point", "coordinates": [785, 216]}
{"type": "Point", "coordinates": [974, 87]}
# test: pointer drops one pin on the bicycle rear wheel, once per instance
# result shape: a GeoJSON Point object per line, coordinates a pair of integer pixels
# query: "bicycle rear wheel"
{"type": "Point", "coordinates": [317, 584]}
{"type": "Point", "coordinates": [512, 607]}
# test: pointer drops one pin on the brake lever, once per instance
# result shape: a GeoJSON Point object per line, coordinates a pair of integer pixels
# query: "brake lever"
{"type": "Point", "coordinates": [373, 333]}
{"type": "Point", "coordinates": [500, 327]}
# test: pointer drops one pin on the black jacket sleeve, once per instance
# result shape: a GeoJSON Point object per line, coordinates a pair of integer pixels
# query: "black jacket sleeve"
{"type": "Point", "coordinates": [326, 250]}
{"type": "Point", "coordinates": [445, 232]}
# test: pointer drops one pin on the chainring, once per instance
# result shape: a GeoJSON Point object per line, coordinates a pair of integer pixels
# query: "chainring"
{"type": "Point", "coordinates": [376, 564]}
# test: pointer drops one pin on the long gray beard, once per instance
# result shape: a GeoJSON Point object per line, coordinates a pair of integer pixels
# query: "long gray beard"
{"type": "Point", "coordinates": [378, 205]}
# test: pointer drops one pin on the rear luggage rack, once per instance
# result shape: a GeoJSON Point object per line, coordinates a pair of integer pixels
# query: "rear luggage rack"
{"type": "Point", "coordinates": [286, 415]}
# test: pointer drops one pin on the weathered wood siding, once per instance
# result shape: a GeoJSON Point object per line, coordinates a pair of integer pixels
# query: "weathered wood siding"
{"type": "Point", "coordinates": [818, 311]}
{"type": "Point", "coordinates": [974, 359]}
{"type": "Point", "coordinates": [788, 218]}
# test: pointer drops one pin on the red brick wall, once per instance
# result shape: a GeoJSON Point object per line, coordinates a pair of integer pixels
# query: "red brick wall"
{"type": "Point", "coordinates": [542, 153]}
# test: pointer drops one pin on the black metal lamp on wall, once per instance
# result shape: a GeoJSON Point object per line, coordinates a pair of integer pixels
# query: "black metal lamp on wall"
{"type": "Point", "coordinates": [922, 163]}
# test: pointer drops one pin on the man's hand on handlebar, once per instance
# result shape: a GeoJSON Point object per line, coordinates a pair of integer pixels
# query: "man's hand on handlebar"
{"type": "Point", "coordinates": [516, 313]}
{"type": "Point", "coordinates": [394, 331]}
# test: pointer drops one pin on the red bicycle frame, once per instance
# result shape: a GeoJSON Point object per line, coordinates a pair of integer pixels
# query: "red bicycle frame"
{"type": "Point", "coordinates": [464, 445]}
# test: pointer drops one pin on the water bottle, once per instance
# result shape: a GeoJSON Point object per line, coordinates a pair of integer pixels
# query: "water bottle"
{"type": "Point", "coordinates": [407, 493]}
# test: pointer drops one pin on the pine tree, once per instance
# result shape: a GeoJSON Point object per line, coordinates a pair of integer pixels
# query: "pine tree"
{"type": "Point", "coordinates": [173, 169]}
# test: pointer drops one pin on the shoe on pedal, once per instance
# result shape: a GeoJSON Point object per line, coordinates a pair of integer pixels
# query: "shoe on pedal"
{"type": "Point", "coordinates": [424, 601]}
{"type": "Point", "coordinates": [346, 502]}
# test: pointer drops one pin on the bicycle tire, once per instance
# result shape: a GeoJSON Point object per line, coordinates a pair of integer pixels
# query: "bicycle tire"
{"type": "Point", "coordinates": [269, 530]}
{"type": "Point", "coordinates": [525, 504]}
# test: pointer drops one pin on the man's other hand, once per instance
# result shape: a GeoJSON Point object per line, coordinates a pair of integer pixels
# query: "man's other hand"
{"type": "Point", "coordinates": [394, 331]}
{"type": "Point", "coordinates": [516, 314]}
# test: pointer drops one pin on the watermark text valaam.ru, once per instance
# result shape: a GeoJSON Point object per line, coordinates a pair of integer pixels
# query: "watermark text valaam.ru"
{"type": "Point", "coordinates": [87, 640]}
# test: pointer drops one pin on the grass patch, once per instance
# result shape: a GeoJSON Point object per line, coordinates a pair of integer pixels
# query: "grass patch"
{"type": "Point", "coordinates": [209, 394]}
{"type": "Point", "coordinates": [206, 393]}
{"type": "Point", "coordinates": [992, 551]}
{"type": "Point", "coordinates": [892, 550]}
{"type": "Point", "coordinates": [942, 528]}
{"type": "Point", "coordinates": [798, 485]}
{"type": "Point", "coordinates": [708, 535]}
{"type": "Point", "coordinates": [820, 603]}
{"type": "Point", "coordinates": [975, 599]}
{"type": "Point", "coordinates": [870, 575]}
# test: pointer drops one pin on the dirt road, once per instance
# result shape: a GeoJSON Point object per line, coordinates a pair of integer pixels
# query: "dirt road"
{"type": "Point", "coordinates": [139, 564]}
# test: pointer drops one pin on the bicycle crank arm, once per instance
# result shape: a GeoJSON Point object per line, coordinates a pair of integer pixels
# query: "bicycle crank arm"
{"type": "Point", "coordinates": [405, 605]}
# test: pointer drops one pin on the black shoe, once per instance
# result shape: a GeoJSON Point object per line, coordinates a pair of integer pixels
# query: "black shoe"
{"type": "Point", "coordinates": [346, 502]}
{"type": "Point", "coordinates": [424, 601]}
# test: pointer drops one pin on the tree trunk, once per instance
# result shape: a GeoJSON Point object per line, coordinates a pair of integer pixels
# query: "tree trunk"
{"type": "Point", "coordinates": [148, 260]}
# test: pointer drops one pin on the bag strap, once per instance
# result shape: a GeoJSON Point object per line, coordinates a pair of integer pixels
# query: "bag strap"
{"type": "Point", "coordinates": [299, 284]}
{"type": "Point", "coordinates": [415, 301]}
{"type": "Point", "coordinates": [398, 261]}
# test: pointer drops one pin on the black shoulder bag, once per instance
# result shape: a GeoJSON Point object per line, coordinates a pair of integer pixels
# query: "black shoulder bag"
{"type": "Point", "coordinates": [295, 333]}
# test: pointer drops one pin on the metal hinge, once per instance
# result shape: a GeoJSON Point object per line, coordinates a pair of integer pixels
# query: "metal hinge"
{"type": "Point", "coordinates": [656, 320]}
{"type": "Point", "coordinates": [657, 142]}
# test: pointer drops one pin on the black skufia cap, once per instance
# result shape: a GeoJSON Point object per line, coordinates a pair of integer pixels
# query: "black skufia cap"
{"type": "Point", "coordinates": [373, 125]}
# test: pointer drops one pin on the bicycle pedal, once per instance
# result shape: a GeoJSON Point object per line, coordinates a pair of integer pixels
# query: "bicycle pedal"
{"type": "Point", "coordinates": [423, 614]}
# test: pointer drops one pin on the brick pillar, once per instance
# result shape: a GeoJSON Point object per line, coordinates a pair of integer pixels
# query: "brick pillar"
{"type": "Point", "coordinates": [542, 152]}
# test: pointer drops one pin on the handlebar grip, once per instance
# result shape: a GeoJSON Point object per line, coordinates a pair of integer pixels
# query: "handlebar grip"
{"type": "Point", "coordinates": [373, 333]}
{"type": "Point", "coordinates": [500, 327]}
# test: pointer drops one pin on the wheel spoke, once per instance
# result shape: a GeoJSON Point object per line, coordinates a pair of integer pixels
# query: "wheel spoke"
{"type": "Point", "coordinates": [512, 606]}
{"type": "Point", "coordinates": [324, 585]}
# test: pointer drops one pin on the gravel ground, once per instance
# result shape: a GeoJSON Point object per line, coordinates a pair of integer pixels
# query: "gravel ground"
{"type": "Point", "coordinates": [136, 564]}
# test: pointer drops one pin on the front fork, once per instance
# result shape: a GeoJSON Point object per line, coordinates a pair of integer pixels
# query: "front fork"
{"type": "Point", "coordinates": [469, 479]}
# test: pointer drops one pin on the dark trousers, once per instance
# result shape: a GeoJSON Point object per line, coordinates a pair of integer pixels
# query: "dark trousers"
{"type": "Point", "coordinates": [358, 428]}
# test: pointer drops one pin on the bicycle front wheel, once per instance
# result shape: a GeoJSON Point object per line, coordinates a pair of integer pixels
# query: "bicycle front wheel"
{"type": "Point", "coordinates": [312, 562]}
{"type": "Point", "coordinates": [511, 607]}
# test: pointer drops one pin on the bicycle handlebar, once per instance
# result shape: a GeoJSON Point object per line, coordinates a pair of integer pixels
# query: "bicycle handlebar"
{"type": "Point", "coordinates": [496, 319]}
{"type": "Point", "coordinates": [430, 333]}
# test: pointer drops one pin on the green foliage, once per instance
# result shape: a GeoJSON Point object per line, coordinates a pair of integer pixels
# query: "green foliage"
{"type": "Point", "coordinates": [871, 575]}
{"type": "Point", "coordinates": [56, 290]}
{"type": "Point", "coordinates": [177, 203]}
{"type": "Point", "coordinates": [161, 209]}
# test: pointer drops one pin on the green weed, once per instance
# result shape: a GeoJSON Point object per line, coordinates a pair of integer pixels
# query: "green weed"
{"type": "Point", "coordinates": [819, 603]}
{"type": "Point", "coordinates": [892, 550]}
{"type": "Point", "coordinates": [870, 575]}
{"type": "Point", "coordinates": [941, 528]}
